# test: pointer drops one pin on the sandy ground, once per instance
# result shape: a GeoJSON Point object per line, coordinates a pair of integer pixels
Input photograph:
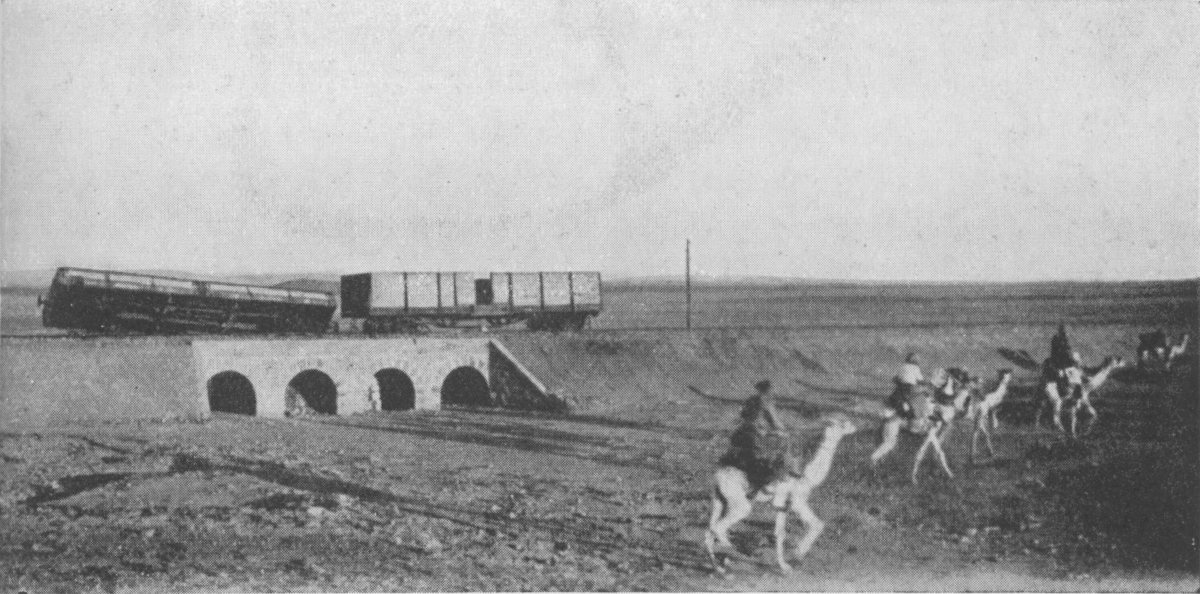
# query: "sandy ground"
{"type": "Point", "coordinates": [498, 500]}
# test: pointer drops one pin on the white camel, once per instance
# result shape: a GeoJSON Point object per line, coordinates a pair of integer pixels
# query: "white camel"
{"type": "Point", "coordinates": [1177, 351]}
{"type": "Point", "coordinates": [1082, 398]}
{"type": "Point", "coordinates": [1071, 377]}
{"type": "Point", "coordinates": [933, 421]}
{"type": "Point", "coordinates": [944, 413]}
{"type": "Point", "coordinates": [732, 498]}
{"type": "Point", "coordinates": [984, 410]}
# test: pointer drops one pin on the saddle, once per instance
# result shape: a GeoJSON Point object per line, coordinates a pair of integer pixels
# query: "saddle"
{"type": "Point", "coordinates": [773, 458]}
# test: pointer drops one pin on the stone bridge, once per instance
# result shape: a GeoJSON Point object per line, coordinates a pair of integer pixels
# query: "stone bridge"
{"type": "Point", "coordinates": [341, 376]}
{"type": "Point", "coordinates": [51, 381]}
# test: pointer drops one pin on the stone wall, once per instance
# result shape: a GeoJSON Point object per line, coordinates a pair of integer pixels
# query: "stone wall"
{"type": "Point", "coordinates": [513, 387]}
{"type": "Point", "coordinates": [51, 381]}
{"type": "Point", "coordinates": [270, 364]}
{"type": "Point", "coordinates": [48, 382]}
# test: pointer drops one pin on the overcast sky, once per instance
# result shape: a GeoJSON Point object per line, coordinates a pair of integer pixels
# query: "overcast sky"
{"type": "Point", "coordinates": [961, 141]}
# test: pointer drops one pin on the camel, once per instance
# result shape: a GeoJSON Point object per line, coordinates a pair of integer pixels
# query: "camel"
{"type": "Point", "coordinates": [1176, 351]}
{"type": "Point", "coordinates": [1152, 347]}
{"type": "Point", "coordinates": [984, 411]}
{"type": "Point", "coordinates": [1091, 383]}
{"type": "Point", "coordinates": [732, 498]}
{"type": "Point", "coordinates": [944, 413]}
{"type": "Point", "coordinates": [935, 425]}
{"type": "Point", "coordinates": [1071, 376]}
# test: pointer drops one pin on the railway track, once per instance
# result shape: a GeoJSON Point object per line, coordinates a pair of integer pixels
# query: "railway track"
{"type": "Point", "coordinates": [586, 332]}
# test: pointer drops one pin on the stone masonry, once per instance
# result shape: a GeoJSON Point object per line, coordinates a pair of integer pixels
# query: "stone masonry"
{"type": "Point", "coordinates": [351, 363]}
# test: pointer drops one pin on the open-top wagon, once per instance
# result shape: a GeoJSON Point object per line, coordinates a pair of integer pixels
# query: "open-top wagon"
{"type": "Point", "coordinates": [406, 301]}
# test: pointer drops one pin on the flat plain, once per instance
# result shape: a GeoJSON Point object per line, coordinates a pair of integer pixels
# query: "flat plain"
{"type": "Point", "coordinates": [614, 495]}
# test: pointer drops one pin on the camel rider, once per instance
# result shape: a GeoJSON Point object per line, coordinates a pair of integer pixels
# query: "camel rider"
{"type": "Point", "coordinates": [1061, 356]}
{"type": "Point", "coordinates": [906, 381]}
{"type": "Point", "coordinates": [757, 447]}
{"type": "Point", "coordinates": [945, 382]}
{"type": "Point", "coordinates": [1062, 367]}
{"type": "Point", "coordinates": [1070, 382]}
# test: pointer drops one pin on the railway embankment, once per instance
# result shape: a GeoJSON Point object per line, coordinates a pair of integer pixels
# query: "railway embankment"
{"type": "Point", "coordinates": [659, 374]}
{"type": "Point", "coordinates": [642, 375]}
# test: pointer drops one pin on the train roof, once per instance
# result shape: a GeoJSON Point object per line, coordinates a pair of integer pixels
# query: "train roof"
{"type": "Point", "coordinates": [260, 289]}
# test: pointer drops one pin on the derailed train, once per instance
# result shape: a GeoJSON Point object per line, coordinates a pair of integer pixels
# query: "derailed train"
{"type": "Point", "coordinates": [111, 301]}
{"type": "Point", "coordinates": [380, 302]}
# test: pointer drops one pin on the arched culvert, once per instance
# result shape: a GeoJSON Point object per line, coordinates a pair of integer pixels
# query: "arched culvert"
{"type": "Point", "coordinates": [396, 391]}
{"type": "Point", "coordinates": [231, 392]}
{"type": "Point", "coordinates": [315, 389]}
{"type": "Point", "coordinates": [466, 386]}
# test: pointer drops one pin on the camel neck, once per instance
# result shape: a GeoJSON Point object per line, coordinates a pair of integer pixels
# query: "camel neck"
{"type": "Point", "coordinates": [822, 460]}
{"type": "Point", "coordinates": [1102, 375]}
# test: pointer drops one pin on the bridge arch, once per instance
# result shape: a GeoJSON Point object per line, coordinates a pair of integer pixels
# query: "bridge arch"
{"type": "Point", "coordinates": [396, 390]}
{"type": "Point", "coordinates": [466, 386]}
{"type": "Point", "coordinates": [231, 392]}
{"type": "Point", "coordinates": [316, 389]}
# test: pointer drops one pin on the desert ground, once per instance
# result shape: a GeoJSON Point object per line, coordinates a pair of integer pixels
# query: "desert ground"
{"type": "Point", "coordinates": [614, 495]}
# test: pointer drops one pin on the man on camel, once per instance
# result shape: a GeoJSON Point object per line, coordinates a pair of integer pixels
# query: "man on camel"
{"type": "Point", "coordinates": [906, 382]}
{"type": "Point", "coordinates": [1062, 376]}
{"type": "Point", "coordinates": [757, 446]}
{"type": "Point", "coordinates": [1063, 365]}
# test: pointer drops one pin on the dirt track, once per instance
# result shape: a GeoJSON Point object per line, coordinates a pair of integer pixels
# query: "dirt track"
{"type": "Point", "coordinates": [485, 500]}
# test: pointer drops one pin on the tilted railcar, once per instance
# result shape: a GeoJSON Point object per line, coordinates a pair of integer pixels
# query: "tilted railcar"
{"type": "Point", "coordinates": [108, 301]}
{"type": "Point", "coordinates": [405, 301]}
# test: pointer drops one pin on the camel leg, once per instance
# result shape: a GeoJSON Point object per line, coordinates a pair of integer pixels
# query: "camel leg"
{"type": "Point", "coordinates": [891, 434]}
{"type": "Point", "coordinates": [781, 518]}
{"type": "Point", "coordinates": [737, 508]}
{"type": "Point", "coordinates": [941, 454]}
{"type": "Point", "coordinates": [813, 526]}
{"type": "Point", "coordinates": [987, 440]}
{"type": "Point", "coordinates": [710, 535]}
{"type": "Point", "coordinates": [982, 429]}
{"type": "Point", "coordinates": [1056, 407]}
{"type": "Point", "coordinates": [975, 438]}
{"type": "Point", "coordinates": [1055, 404]}
{"type": "Point", "coordinates": [929, 439]}
{"type": "Point", "coordinates": [1095, 416]}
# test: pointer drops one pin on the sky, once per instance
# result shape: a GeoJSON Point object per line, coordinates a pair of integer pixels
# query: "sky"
{"type": "Point", "coordinates": [973, 141]}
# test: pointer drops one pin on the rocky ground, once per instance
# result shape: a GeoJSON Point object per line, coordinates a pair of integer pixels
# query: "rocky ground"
{"type": "Point", "coordinates": [496, 500]}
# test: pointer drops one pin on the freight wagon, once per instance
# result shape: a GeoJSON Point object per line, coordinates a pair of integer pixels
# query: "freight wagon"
{"type": "Point", "coordinates": [406, 301]}
{"type": "Point", "coordinates": [107, 301]}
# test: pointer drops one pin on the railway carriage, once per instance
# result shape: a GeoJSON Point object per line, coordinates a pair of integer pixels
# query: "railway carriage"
{"type": "Point", "coordinates": [407, 301]}
{"type": "Point", "coordinates": [110, 301]}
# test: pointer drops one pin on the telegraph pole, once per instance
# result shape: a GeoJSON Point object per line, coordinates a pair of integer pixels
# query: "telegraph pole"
{"type": "Point", "coordinates": [687, 256]}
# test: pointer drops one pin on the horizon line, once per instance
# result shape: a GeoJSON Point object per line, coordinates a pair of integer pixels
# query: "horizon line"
{"type": "Point", "coordinates": [705, 278]}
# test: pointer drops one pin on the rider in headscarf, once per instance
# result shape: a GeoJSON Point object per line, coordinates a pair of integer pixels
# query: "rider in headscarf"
{"type": "Point", "coordinates": [906, 382]}
{"type": "Point", "coordinates": [1060, 349]}
{"type": "Point", "coordinates": [756, 445]}
{"type": "Point", "coordinates": [1064, 366]}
